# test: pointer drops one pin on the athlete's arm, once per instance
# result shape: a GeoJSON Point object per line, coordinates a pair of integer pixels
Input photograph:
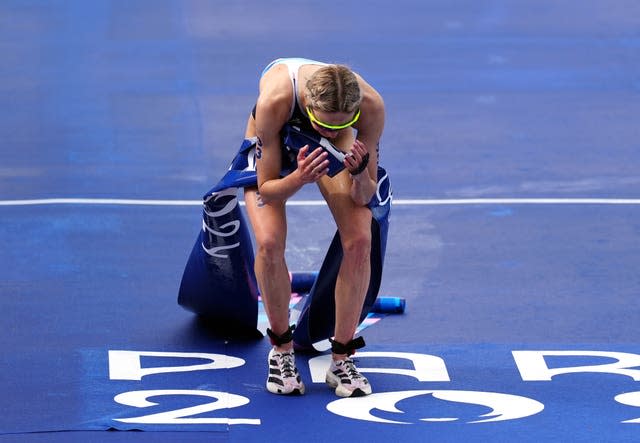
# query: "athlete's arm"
{"type": "Point", "coordinates": [272, 112]}
{"type": "Point", "coordinates": [369, 127]}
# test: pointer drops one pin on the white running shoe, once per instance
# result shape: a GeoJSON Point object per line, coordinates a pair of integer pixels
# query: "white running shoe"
{"type": "Point", "coordinates": [283, 374]}
{"type": "Point", "coordinates": [345, 378]}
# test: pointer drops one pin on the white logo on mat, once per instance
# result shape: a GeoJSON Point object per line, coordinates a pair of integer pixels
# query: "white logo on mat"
{"type": "Point", "coordinates": [503, 406]}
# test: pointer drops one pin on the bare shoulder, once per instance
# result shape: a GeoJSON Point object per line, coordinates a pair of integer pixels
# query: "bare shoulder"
{"type": "Point", "coordinates": [274, 103]}
{"type": "Point", "coordinates": [371, 98]}
{"type": "Point", "coordinates": [372, 108]}
{"type": "Point", "coordinates": [275, 87]}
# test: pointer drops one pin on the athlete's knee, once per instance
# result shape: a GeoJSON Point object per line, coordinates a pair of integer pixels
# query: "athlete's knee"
{"type": "Point", "coordinates": [270, 247]}
{"type": "Point", "coordinates": [357, 244]}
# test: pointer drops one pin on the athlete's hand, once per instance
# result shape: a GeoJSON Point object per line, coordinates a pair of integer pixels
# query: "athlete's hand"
{"type": "Point", "coordinates": [357, 159]}
{"type": "Point", "coordinates": [312, 166]}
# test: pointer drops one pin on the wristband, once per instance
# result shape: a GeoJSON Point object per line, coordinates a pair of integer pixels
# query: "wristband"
{"type": "Point", "coordinates": [362, 166]}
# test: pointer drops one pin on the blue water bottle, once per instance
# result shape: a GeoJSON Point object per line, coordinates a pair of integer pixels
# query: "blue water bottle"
{"type": "Point", "coordinates": [389, 305]}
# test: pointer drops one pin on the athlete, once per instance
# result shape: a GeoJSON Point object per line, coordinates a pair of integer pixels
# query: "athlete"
{"type": "Point", "coordinates": [341, 106]}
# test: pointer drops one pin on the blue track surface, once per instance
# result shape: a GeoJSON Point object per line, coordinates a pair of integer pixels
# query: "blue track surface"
{"type": "Point", "coordinates": [512, 143]}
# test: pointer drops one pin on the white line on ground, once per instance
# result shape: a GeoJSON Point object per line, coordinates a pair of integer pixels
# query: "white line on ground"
{"type": "Point", "coordinates": [398, 202]}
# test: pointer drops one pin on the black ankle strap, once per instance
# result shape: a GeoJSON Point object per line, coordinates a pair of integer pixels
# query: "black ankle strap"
{"type": "Point", "coordinates": [349, 348]}
{"type": "Point", "coordinates": [279, 340]}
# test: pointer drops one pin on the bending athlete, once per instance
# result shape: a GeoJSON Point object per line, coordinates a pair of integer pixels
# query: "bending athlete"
{"type": "Point", "coordinates": [341, 106]}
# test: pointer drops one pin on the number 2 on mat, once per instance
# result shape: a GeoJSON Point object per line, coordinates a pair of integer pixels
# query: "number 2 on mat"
{"type": "Point", "coordinates": [184, 416]}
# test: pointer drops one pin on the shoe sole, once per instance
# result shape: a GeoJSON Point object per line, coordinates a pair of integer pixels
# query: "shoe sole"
{"type": "Point", "coordinates": [274, 389]}
{"type": "Point", "coordinates": [343, 392]}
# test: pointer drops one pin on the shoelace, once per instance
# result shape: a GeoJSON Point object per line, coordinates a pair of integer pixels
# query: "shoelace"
{"type": "Point", "coordinates": [287, 364]}
{"type": "Point", "coordinates": [351, 369]}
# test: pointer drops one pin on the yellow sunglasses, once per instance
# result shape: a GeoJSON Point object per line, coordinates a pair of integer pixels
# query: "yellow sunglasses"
{"type": "Point", "coordinates": [320, 123]}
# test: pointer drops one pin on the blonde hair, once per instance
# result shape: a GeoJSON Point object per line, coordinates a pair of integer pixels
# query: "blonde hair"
{"type": "Point", "coordinates": [333, 88]}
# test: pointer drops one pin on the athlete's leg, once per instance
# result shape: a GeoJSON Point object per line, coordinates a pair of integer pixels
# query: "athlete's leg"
{"type": "Point", "coordinates": [269, 224]}
{"type": "Point", "coordinates": [270, 230]}
{"type": "Point", "coordinates": [354, 226]}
